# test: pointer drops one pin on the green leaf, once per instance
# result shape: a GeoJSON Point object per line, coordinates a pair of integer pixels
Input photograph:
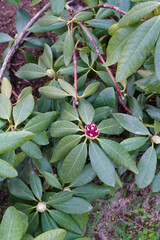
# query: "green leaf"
{"type": "Point", "coordinates": [67, 87]}
{"type": "Point", "coordinates": [36, 28]}
{"type": "Point", "coordinates": [103, 24]}
{"type": "Point", "coordinates": [70, 69]}
{"type": "Point", "coordinates": [137, 48]}
{"type": "Point", "coordinates": [86, 111]}
{"type": "Point", "coordinates": [40, 138]}
{"type": "Point", "coordinates": [43, 165]}
{"type": "Point", "coordinates": [52, 180]}
{"type": "Point", "coordinates": [118, 154]}
{"type": "Point", "coordinates": [56, 234]}
{"type": "Point", "coordinates": [40, 122]}
{"type": "Point", "coordinates": [91, 2]}
{"type": "Point", "coordinates": [23, 207]}
{"type": "Point", "coordinates": [84, 238]}
{"type": "Point", "coordinates": [6, 87]}
{"type": "Point", "coordinates": [65, 221]}
{"type": "Point", "coordinates": [6, 170]}
{"type": "Point", "coordinates": [157, 59]}
{"type": "Point", "coordinates": [52, 92]}
{"type": "Point", "coordinates": [156, 127]}
{"type": "Point", "coordinates": [90, 89]}
{"type": "Point", "coordinates": [154, 113]}
{"type": "Point", "coordinates": [47, 222]}
{"type": "Point", "coordinates": [138, 12]}
{"type": "Point", "coordinates": [14, 2]}
{"type": "Point", "coordinates": [63, 128]}
{"type": "Point", "coordinates": [33, 220]}
{"type": "Point", "coordinates": [5, 107]}
{"type": "Point", "coordinates": [68, 48]}
{"type": "Point", "coordinates": [47, 57]}
{"type": "Point", "coordinates": [19, 158]}
{"type": "Point", "coordinates": [68, 112]}
{"type": "Point", "coordinates": [101, 113]}
{"type": "Point", "coordinates": [105, 98]}
{"type": "Point", "coordinates": [13, 140]}
{"type": "Point", "coordinates": [22, 18]}
{"type": "Point", "coordinates": [4, 37]}
{"type": "Point", "coordinates": [91, 192]}
{"type": "Point", "coordinates": [117, 43]}
{"type": "Point", "coordinates": [19, 189]}
{"type": "Point", "coordinates": [31, 150]}
{"type": "Point", "coordinates": [74, 162]}
{"type": "Point", "coordinates": [110, 126]}
{"type": "Point", "coordinates": [156, 183]}
{"type": "Point", "coordinates": [27, 236]}
{"type": "Point", "coordinates": [147, 168]}
{"type": "Point", "coordinates": [34, 2]}
{"type": "Point", "coordinates": [60, 198]}
{"type": "Point", "coordinates": [36, 185]}
{"type": "Point", "coordinates": [86, 176]}
{"type": "Point", "coordinates": [57, 6]}
{"type": "Point", "coordinates": [133, 143]}
{"type": "Point", "coordinates": [102, 165]}
{"type": "Point", "coordinates": [104, 76]}
{"type": "Point", "coordinates": [135, 108]}
{"type": "Point", "coordinates": [30, 71]}
{"type": "Point", "coordinates": [83, 16]}
{"type": "Point", "coordinates": [24, 220]}
{"type": "Point", "coordinates": [64, 146]}
{"type": "Point", "coordinates": [84, 56]}
{"type": "Point", "coordinates": [11, 227]}
{"type": "Point", "coordinates": [48, 20]}
{"type": "Point", "coordinates": [9, 157]}
{"type": "Point", "coordinates": [26, 91]}
{"type": "Point", "coordinates": [74, 206]}
{"type": "Point", "coordinates": [131, 124]}
{"type": "Point", "coordinates": [23, 109]}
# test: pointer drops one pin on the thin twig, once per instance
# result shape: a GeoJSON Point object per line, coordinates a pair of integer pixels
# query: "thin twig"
{"type": "Point", "coordinates": [19, 39]}
{"type": "Point", "coordinates": [107, 68]}
{"type": "Point", "coordinates": [102, 6]}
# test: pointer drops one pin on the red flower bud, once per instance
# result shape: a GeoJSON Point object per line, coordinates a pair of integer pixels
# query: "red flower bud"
{"type": "Point", "coordinates": [91, 131]}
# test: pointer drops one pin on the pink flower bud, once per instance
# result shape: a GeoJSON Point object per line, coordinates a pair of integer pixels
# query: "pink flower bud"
{"type": "Point", "coordinates": [91, 131]}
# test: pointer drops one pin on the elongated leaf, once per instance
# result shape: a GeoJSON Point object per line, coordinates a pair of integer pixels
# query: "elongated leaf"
{"type": "Point", "coordinates": [157, 59]}
{"type": "Point", "coordinates": [131, 124]}
{"type": "Point", "coordinates": [4, 37]}
{"type": "Point", "coordinates": [24, 220]}
{"type": "Point", "coordinates": [47, 57]}
{"type": "Point", "coordinates": [22, 18]}
{"type": "Point", "coordinates": [33, 220]}
{"type": "Point", "coordinates": [47, 222]}
{"type": "Point", "coordinates": [34, 2]}
{"type": "Point", "coordinates": [131, 144]}
{"type": "Point", "coordinates": [74, 206]}
{"type": "Point", "coordinates": [83, 16]}
{"type": "Point", "coordinates": [60, 198]}
{"type": "Point", "coordinates": [23, 109]}
{"type": "Point", "coordinates": [138, 12]}
{"type": "Point", "coordinates": [68, 48]}
{"type": "Point", "coordinates": [68, 112]}
{"type": "Point", "coordinates": [63, 128]}
{"type": "Point", "coordinates": [86, 176]}
{"type": "Point", "coordinates": [135, 108]}
{"type": "Point", "coordinates": [86, 111]}
{"type": "Point", "coordinates": [30, 71]}
{"type": "Point", "coordinates": [102, 165]}
{"type": "Point", "coordinates": [19, 189]}
{"type": "Point", "coordinates": [154, 112]}
{"type": "Point", "coordinates": [67, 87]}
{"type": "Point", "coordinates": [110, 126]}
{"type": "Point", "coordinates": [6, 87]}
{"type": "Point", "coordinates": [40, 138]}
{"type": "Point", "coordinates": [147, 168]}
{"type": "Point", "coordinates": [12, 140]}
{"type": "Point", "coordinates": [52, 180]}
{"type": "Point", "coordinates": [36, 185]}
{"type": "Point", "coordinates": [105, 98]}
{"type": "Point", "coordinates": [7, 170]}
{"type": "Point", "coordinates": [138, 47]}
{"type": "Point", "coordinates": [40, 122]}
{"type": "Point", "coordinates": [43, 165]}
{"type": "Point", "coordinates": [47, 20]}
{"type": "Point", "coordinates": [56, 234]}
{"type": "Point", "coordinates": [26, 91]}
{"type": "Point", "coordinates": [118, 154]}
{"type": "Point", "coordinates": [11, 227]}
{"type": "Point", "coordinates": [103, 24]}
{"type": "Point", "coordinates": [5, 107]}
{"type": "Point", "coordinates": [156, 183]}
{"type": "Point", "coordinates": [23, 207]}
{"type": "Point", "coordinates": [31, 150]}
{"type": "Point", "coordinates": [74, 162]}
{"type": "Point", "coordinates": [57, 6]}
{"type": "Point", "coordinates": [90, 89]}
{"type": "Point", "coordinates": [101, 113]}
{"type": "Point", "coordinates": [117, 43]}
{"type": "Point", "coordinates": [52, 92]}
{"type": "Point", "coordinates": [65, 220]}
{"type": "Point", "coordinates": [64, 146]}
{"type": "Point", "coordinates": [91, 191]}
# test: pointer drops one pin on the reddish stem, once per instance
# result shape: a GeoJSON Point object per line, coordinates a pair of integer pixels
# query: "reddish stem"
{"type": "Point", "coordinates": [107, 68]}
{"type": "Point", "coordinates": [103, 6]}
